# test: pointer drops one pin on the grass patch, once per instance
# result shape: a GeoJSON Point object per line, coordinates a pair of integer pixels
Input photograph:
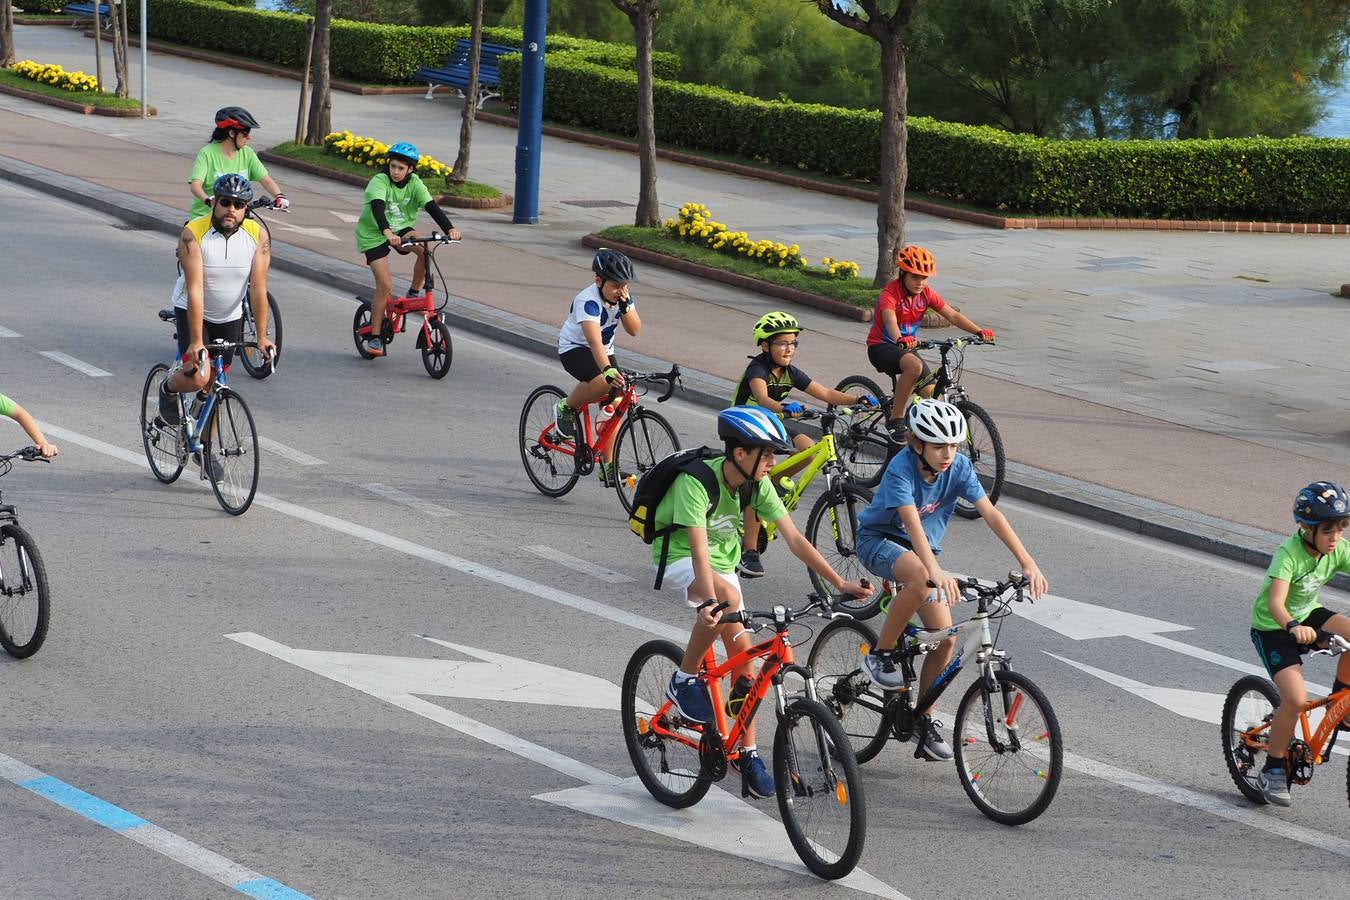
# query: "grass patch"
{"type": "Point", "coordinates": [857, 291]}
{"type": "Point", "coordinates": [47, 90]}
{"type": "Point", "coordinates": [437, 185]}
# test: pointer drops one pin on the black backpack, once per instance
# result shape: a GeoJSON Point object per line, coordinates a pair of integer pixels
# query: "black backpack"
{"type": "Point", "coordinates": [655, 483]}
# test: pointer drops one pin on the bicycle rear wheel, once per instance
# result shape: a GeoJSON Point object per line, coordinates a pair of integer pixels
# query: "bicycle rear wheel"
{"type": "Point", "coordinates": [24, 601]}
{"type": "Point", "coordinates": [549, 458]}
{"type": "Point", "coordinates": [163, 442]}
{"type": "Point", "coordinates": [984, 447]}
{"type": "Point", "coordinates": [1009, 753]}
{"type": "Point", "coordinates": [252, 357]}
{"type": "Point", "coordinates": [669, 768]}
{"type": "Point", "coordinates": [645, 438]}
{"type": "Point", "coordinates": [436, 356]}
{"type": "Point", "coordinates": [234, 444]}
{"type": "Point", "coordinates": [860, 706]}
{"type": "Point", "coordinates": [863, 442]}
{"type": "Point", "coordinates": [1250, 702]}
{"type": "Point", "coordinates": [832, 528]}
{"type": "Point", "coordinates": [820, 792]}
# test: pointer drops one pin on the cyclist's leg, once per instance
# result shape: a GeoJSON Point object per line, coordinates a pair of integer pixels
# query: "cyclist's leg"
{"type": "Point", "coordinates": [384, 281]}
{"type": "Point", "coordinates": [1293, 694]}
{"type": "Point", "coordinates": [935, 614]}
{"type": "Point", "coordinates": [419, 274]}
{"type": "Point", "coordinates": [911, 577]}
{"type": "Point", "coordinates": [912, 368]}
{"type": "Point", "coordinates": [1340, 624]}
{"type": "Point", "coordinates": [190, 377]}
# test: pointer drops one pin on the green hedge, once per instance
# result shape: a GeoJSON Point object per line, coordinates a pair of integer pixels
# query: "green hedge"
{"type": "Point", "coordinates": [40, 7]}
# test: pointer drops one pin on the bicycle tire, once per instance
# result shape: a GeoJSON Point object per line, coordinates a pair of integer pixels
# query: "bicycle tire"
{"type": "Point", "coordinates": [644, 439]}
{"type": "Point", "coordinates": [832, 528]}
{"type": "Point", "coordinates": [251, 357]}
{"type": "Point", "coordinates": [437, 357]}
{"type": "Point", "coordinates": [828, 838]}
{"type": "Point", "coordinates": [864, 444]}
{"type": "Point", "coordinates": [234, 441]}
{"type": "Point", "coordinates": [1241, 712]}
{"type": "Point", "coordinates": [861, 707]}
{"type": "Point", "coordinates": [552, 472]}
{"type": "Point", "coordinates": [163, 443]}
{"type": "Point", "coordinates": [982, 443]}
{"type": "Point", "coordinates": [644, 692]}
{"type": "Point", "coordinates": [359, 321]}
{"type": "Point", "coordinates": [992, 776]}
{"type": "Point", "coordinates": [31, 578]}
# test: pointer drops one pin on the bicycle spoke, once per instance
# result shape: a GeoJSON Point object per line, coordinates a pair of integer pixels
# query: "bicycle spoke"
{"type": "Point", "coordinates": [819, 790]}
{"type": "Point", "coordinates": [1008, 753]}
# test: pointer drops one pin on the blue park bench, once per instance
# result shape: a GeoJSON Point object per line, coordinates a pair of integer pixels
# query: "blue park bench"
{"type": "Point", "coordinates": [86, 11]}
{"type": "Point", "coordinates": [454, 72]}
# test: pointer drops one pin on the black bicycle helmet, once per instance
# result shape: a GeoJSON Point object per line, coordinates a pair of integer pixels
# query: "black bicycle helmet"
{"type": "Point", "coordinates": [236, 118]}
{"type": "Point", "coordinates": [612, 265]}
{"type": "Point", "coordinates": [1321, 502]}
{"type": "Point", "coordinates": [235, 186]}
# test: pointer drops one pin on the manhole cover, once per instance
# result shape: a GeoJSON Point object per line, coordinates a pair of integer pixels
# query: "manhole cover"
{"type": "Point", "coordinates": [598, 204]}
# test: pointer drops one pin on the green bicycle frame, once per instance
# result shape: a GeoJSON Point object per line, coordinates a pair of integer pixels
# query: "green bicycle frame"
{"type": "Point", "coordinates": [820, 454]}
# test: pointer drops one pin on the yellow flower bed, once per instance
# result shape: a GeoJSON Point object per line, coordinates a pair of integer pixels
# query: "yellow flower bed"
{"type": "Point", "coordinates": [55, 75]}
{"type": "Point", "coordinates": [370, 152]}
{"type": "Point", "coordinates": [695, 225]}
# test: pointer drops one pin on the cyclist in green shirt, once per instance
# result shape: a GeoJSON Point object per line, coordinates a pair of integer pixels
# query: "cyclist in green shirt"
{"type": "Point", "coordinates": [11, 410]}
{"type": "Point", "coordinates": [229, 154]}
{"type": "Point", "coordinates": [1287, 616]}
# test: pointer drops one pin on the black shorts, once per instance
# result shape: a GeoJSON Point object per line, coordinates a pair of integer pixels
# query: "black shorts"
{"type": "Point", "coordinates": [794, 428]}
{"type": "Point", "coordinates": [211, 331]}
{"type": "Point", "coordinates": [382, 251]}
{"type": "Point", "coordinates": [885, 358]}
{"type": "Point", "coordinates": [580, 364]}
{"type": "Point", "coordinates": [1278, 649]}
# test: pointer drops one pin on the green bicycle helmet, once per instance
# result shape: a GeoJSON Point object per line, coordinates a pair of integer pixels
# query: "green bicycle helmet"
{"type": "Point", "coordinates": [773, 323]}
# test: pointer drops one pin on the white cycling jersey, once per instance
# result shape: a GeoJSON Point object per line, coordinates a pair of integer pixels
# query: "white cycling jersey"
{"type": "Point", "coordinates": [226, 265]}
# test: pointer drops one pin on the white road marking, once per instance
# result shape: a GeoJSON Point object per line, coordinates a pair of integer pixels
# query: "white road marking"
{"type": "Point", "coordinates": [275, 222]}
{"type": "Point", "coordinates": [296, 456]}
{"type": "Point", "coordinates": [78, 365]}
{"type": "Point", "coordinates": [413, 502]}
{"type": "Point", "coordinates": [6, 333]}
{"type": "Point", "coordinates": [349, 218]}
{"type": "Point", "coordinates": [586, 568]}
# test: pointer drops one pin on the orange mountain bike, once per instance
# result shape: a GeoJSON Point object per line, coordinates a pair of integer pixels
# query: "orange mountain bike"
{"type": "Point", "coordinates": [819, 786]}
{"type": "Point", "coordinates": [1247, 712]}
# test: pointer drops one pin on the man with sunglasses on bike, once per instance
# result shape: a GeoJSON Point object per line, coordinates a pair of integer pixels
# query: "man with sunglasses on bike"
{"type": "Point", "coordinates": [223, 257]}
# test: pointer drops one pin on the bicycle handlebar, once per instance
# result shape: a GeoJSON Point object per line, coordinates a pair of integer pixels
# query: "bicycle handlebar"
{"type": "Point", "coordinates": [1336, 645]}
{"type": "Point", "coordinates": [670, 378]}
{"type": "Point", "coordinates": [816, 606]}
{"type": "Point", "coordinates": [949, 343]}
{"type": "Point", "coordinates": [27, 454]}
{"type": "Point", "coordinates": [972, 589]}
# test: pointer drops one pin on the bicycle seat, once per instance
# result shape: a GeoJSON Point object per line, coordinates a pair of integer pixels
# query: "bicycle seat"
{"type": "Point", "coordinates": [167, 314]}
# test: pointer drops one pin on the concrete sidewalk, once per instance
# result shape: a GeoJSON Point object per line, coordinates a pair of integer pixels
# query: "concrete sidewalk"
{"type": "Point", "coordinates": [1189, 380]}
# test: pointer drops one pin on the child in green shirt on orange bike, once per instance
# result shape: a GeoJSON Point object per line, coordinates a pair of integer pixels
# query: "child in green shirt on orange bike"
{"type": "Point", "coordinates": [767, 382]}
{"type": "Point", "coordinates": [1287, 616]}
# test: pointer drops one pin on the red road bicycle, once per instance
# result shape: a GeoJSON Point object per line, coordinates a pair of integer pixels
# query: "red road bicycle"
{"type": "Point", "coordinates": [433, 338]}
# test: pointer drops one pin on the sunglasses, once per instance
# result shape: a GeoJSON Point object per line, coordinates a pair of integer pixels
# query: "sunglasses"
{"type": "Point", "coordinates": [231, 203]}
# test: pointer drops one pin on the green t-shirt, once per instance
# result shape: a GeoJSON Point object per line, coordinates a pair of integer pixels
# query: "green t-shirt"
{"type": "Point", "coordinates": [6, 406]}
{"type": "Point", "coordinates": [211, 164]}
{"type": "Point", "coordinates": [1294, 564]}
{"type": "Point", "coordinates": [400, 208]}
{"type": "Point", "coordinates": [686, 503]}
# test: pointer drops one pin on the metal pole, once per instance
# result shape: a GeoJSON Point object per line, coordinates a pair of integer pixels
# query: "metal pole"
{"type": "Point", "coordinates": [98, 47]}
{"type": "Point", "coordinates": [145, 57]}
{"type": "Point", "coordinates": [530, 130]}
{"type": "Point", "coordinates": [304, 81]}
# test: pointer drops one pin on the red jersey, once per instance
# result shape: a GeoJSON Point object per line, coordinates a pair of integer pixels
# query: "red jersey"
{"type": "Point", "coordinates": [908, 309]}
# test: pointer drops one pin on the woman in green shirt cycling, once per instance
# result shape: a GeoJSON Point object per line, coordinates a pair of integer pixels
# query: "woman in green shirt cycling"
{"type": "Point", "coordinates": [229, 153]}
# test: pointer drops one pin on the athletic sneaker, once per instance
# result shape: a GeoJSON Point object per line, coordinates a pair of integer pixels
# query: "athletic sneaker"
{"type": "Point", "coordinates": [217, 468]}
{"type": "Point", "coordinates": [1274, 783]}
{"type": "Point", "coordinates": [690, 698]}
{"type": "Point", "coordinates": [565, 419]}
{"type": "Point", "coordinates": [879, 666]}
{"type": "Point", "coordinates": [750, 566]}
{"type": "Point", "coordinates": [899, 433]}
{"type": "Point", "coordinates": [169, 409]}
{"type": "Point", "coordinates": [931, 745]}
{"type": "Point", "coordinates": [754, 773]}
{"type": "Point", "coordinates": [375, 346]}
{"type": "Point", "coordinates": [606, 473]}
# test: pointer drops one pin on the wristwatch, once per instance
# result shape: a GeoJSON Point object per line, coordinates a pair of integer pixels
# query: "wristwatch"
{"type": "Point", "coordinates": [1291, 625]}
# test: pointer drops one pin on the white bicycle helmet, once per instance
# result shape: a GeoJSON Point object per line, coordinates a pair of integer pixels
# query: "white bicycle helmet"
{"type": "Point", "coordinates": [936, 422]}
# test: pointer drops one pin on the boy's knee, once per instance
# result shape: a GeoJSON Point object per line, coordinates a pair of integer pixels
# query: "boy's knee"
{"type": "Point", "coordinates": [911, 364]}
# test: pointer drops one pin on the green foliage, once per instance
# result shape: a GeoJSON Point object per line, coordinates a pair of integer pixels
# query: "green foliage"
{"type": "Point", "coordinates": [40, 7]}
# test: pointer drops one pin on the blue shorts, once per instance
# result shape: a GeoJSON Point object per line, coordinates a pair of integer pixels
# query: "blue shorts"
{"type": "Point", "coordinates": [878, 553]}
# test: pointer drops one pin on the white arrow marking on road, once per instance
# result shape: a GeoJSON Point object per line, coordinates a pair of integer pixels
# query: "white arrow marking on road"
{"type": "Point", "coordinates": [739, 829]}
{"type": "Point", "coordinates": [6, 333]}
{"type": "Point", "coordinates": [586, 568]}
{"type": "Point", "coordinates": [300, 229]}
{"type": "Point", "coordinates": [346, 217]}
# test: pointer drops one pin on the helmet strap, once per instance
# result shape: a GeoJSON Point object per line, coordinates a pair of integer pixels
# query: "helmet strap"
{"type": "Point", "coordinates": [923, 459]}
{"type": "Point", "coordinates": [1308, 543]}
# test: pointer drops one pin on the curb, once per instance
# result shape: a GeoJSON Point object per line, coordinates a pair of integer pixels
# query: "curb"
{"type": "Point", "coordinates": [498, 202]}
{"type": "Point", "coordinates": [1345, 290]}
{"type": "Point", "coordinates": [1118, 509]}
{"type": "Point", "coordinates": [87, 109]}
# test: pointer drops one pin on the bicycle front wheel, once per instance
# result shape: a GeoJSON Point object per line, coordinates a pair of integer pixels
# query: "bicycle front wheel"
{"type": "Point", "coordinates": [1250, 703]}
{"type": "Point", "coordinates": [863, 441]}
{"type": "Point", "coordinates": [832, 528]}
{"type": "Point", "coordinates": [24, 602]}
{"type": "Point", "coordinates": [645, 438]}
{"type": "Point", "coordinates": [163, 442]}
{"type": "Point", "coordinates": [984, 447]}
{"type": "Point", "coordinates": [1009, 754]}
{"type": "Point", "coordinates": [234, 446]}
{"type": "Point", "coordinates": [820, 792]}
{"type": "Point", "coordinates": [252, 357]}
{"type": "Point", "coordinates": [359, 321]}
{"type": "Point", "coordinates": [664, 749]}
{"type": "Point", "coordinates": [437, 355]}
{"type": "Point", "coordinates": [549, 458]}
{"type": "Point", "coordinates": [847, 692]}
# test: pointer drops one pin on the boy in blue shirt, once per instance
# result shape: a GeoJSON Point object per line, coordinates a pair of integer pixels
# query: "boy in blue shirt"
{"type": "Point", "coordinates": [899, 536]}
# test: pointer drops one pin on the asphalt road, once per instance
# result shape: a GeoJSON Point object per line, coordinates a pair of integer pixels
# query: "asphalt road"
{"type": "Point", "coordinates": [195, 673]}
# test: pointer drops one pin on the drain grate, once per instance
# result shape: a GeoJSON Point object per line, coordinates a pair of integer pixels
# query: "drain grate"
{"type": "Point", "coordinates": [598, 204]}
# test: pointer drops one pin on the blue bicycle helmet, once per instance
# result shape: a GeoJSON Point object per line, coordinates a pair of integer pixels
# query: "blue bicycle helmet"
{"type": "Point", "coordinates": [1321, 502]}
{"type": "Point", "coordinates": [404, 151]}
{"type": "Point", "coordinates": [231, 185]}
{"type": "Point", "coordinates": [752, 426]}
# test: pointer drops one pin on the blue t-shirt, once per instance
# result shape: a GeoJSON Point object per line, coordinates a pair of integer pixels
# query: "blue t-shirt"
{"type": "Point", "coordinates": [903, 485]}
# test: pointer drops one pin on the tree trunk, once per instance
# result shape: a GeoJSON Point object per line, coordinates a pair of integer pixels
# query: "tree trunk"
{"type": "Point", "coordinates": [118, 11]}
{"type": "Point", "coordinates": [648, 213]}
{"type": "Point", "coordinates": [461, 167]}
{"type": "Point", "coordinates": [6, 33]}
{"type": "Point", "coordinates": [894, 157]}
{"type": "Point", "coordinates": [321, 98]}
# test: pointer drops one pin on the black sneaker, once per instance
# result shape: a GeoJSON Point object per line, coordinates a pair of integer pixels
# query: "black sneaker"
{"type": "Point", "coordinates": [169, 410]}
{"type": "Point", "coordinates": [217, 468]}
{"type": "Point", "coordinates": [750, 566]}
{"type": "Point", "coordinates": [898, 432]}
{"type": "Point", "coordinates": [931, 745]}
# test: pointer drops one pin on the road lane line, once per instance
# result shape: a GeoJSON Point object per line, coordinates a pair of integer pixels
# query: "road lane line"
{"type": "Point", "coordinates": [78, 365]}
{"type": "Point", "coordinates": [295, 456]}
{"type": "Point", "coordinates": [409, 500]}
{"type": "Point", "coordinates": [133, 827]}
{"type": "Point", "coordinates": [6, 333]}
{"type": "Point", "coordinates": [580, 565]}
